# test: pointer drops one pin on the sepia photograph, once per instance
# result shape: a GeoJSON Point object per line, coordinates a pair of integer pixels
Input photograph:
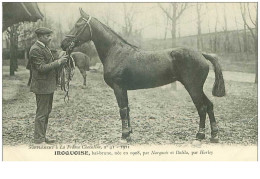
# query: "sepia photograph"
{"type": "Point", "coordinates": [125, 81]}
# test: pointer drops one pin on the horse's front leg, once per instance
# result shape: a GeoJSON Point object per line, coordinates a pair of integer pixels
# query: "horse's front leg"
{"type": "Point", "coordinates": [122, 100]}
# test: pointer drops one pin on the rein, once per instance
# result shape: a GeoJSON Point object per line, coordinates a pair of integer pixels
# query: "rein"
{"type": "Point", "coordinates": [66, 74]}
{"type": "Point", "coordinates": [67, 69]}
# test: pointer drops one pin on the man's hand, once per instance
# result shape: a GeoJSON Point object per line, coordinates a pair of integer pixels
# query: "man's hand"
{"type": "Point", "coordinates": [63, 59]}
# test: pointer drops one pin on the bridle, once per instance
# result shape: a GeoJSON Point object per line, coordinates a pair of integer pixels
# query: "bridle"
{"type": "Point", "coordinates": [68, 68]}
{"type": "Point", "coordinates": [76, 37]}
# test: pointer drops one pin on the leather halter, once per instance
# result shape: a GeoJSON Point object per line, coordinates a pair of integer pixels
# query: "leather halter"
{"type": "Point", "coordinates": [73, 43]}
{"type": "Point", "coordinates": [88, 23]}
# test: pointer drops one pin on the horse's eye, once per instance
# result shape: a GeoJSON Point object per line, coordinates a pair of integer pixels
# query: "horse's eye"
{"type": "Point", "coordinates": [78, 24]}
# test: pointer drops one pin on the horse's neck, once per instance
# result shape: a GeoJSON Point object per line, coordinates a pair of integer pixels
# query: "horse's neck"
{"type": "Point", "coordinates": [103, 39]}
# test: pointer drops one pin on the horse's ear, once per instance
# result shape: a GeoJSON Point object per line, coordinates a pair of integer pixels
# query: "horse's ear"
{"type": "Point", "coordinates": [82, 13]}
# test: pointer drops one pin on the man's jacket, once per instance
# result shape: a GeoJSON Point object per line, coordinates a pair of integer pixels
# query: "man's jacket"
{"type": "Point", "coordinates": [43, 69]}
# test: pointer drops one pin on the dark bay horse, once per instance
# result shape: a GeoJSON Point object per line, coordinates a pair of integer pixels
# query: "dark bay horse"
{"type": "Point", "coordinates": [127, 67]}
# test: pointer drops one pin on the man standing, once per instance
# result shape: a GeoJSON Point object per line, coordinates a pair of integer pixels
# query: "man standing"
{"type": "Point", "coordinates": [43, 82]}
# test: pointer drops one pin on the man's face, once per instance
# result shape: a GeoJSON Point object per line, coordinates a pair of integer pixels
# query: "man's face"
{"type": "Point", "coordinates": [46, 39]}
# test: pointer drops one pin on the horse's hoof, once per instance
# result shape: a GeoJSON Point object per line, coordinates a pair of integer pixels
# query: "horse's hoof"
{"type": "Point", "coordinates": [200, 136]}
{"type": "Point", "coordinates": [125, 135]}
{"type": "Point", "coordinates": [123, 141]}
{"type": "Point", "coordinates": [214, 137]}
{"type": "Point", "coordinates": [196, 143]}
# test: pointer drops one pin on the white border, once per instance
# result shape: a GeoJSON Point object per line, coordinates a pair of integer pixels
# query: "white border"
{"type": "Point", "coordinates": [131, 170]}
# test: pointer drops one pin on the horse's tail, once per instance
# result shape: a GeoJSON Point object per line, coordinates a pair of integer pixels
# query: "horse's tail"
{"type": "Point", "coordinates": [219, 85]}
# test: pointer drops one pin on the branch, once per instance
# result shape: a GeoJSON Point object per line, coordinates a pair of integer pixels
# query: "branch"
{"type": "Point", "coordinates": [183, 7]}
{"type": "Point", "coordinates": [198, 6]}
{"type": "Point", "coordinates": [217, 20]}
{"type": "Point", "coordinates": [131, 8]}
{"type": "Point", "coordinates": [244, 19]}
{"type": "Point", "coordinates": [125, 15]}
{"type": "Point", "coordinates": [250, 15]}
{"type": "Point", "coordinates": [164, 10]}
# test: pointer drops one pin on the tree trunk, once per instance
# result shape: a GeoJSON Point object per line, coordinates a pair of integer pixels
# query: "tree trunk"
{"type": "Point", "coordinates": [166, 28]}
{"type": "Point", "coordinates": [25, 54]}
{"type": "Point", "coordinates": [227, 43]}
{"type": "Point", "coordinates": [13, 49]}
{"type": "Point", "coordinates": [256, 61]}
{"type": "Point", "coordinates": [174, 84]}
{"type": "Point", "coordinates": [245, 38]}
{"type": "Point", "coordinates": [174, 11]}
{"type": "Point", "coordinates": [12, 59]}
{"type": "Point", "coordinates": [215, 35]}
{"type": "Point", "coordinates": [256, 48]}
{"type": "Point", "coordinates": [173, 33]}
{"type": "Point", "coordinates": [238, 39]}
{"type": "Point", "coordinates": [199, 41]}
{"type": "Point", "coordinates": [16, 50]}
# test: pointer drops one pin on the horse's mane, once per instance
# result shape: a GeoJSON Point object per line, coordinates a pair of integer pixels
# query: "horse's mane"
{"type": "Point", "coordinates": [121, 38]}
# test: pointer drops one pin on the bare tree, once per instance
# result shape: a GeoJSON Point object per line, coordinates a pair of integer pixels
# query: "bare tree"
{"type": "Point", "coordinates": [245, 38]}
{"type": "Point", "coordinates": [107, 15]}
{"type": "Point", "coordinates": [59, 32]}
{"type": "Point", "coordinates": [225, 28]}
{"type": "Point", "coordinates": [13, 37]}
{"type": "Point", "coordinates": [252, 25]}
{"type": "Point", "coordinates": [25, 37]}
{"type": "Point", "coordinates": [166, 27]}
{"type": "Point", "coordinates": [129, 14]}
{"type": "Point", "coordinates": [174, 15]}
{"type": "Point", "coordinates": [215, 43]}
{"type": "Point", "coordinates": [210, 35]}
{"type": "Point", "coordinates": [238, 39]}
{"type": "Point", "coordinates": [199, 38]}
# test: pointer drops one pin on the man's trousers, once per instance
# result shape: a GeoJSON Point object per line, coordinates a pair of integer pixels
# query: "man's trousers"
{"type": "Point", "coordinates": [44, 107]}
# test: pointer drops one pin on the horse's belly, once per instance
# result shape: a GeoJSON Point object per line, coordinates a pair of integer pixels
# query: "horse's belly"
{"type": "Point", "coordinates": [148, 84]}
{"type": "Point", "coordinates": [142, 77]}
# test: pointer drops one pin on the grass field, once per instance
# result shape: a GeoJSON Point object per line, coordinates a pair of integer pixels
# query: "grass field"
{"type": "Point", "coordinates": [159, 115]}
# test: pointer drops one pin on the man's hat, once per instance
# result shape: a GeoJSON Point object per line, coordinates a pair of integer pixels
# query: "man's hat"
{"type": "Point", "coordinates": [43, 30]}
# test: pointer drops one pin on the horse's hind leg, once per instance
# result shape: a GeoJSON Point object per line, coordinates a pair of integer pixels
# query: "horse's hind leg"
{"type": "Point", "coordinates": [122, 100]}
{"type": "Point", "coordinates": [213, 124]}
{"type": "Point", "coordinates": [204, 106]}
{"type": "Point", "coordinates": [197, 96]}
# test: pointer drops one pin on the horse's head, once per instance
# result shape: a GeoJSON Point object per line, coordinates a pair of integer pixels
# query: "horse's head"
{"type": "Point", "coordinates": [79, 34]}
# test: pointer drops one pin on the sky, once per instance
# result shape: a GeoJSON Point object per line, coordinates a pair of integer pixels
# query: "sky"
{"type": "Point", "coordinates": [149, 17]}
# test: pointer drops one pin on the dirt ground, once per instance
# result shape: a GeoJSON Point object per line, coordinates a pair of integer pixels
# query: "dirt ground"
{"type": "Point", "coordinates": [158, 115]}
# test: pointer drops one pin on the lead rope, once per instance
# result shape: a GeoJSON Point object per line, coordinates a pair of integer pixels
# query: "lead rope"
{"type": "Point", "coordinates": [66, 74]}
